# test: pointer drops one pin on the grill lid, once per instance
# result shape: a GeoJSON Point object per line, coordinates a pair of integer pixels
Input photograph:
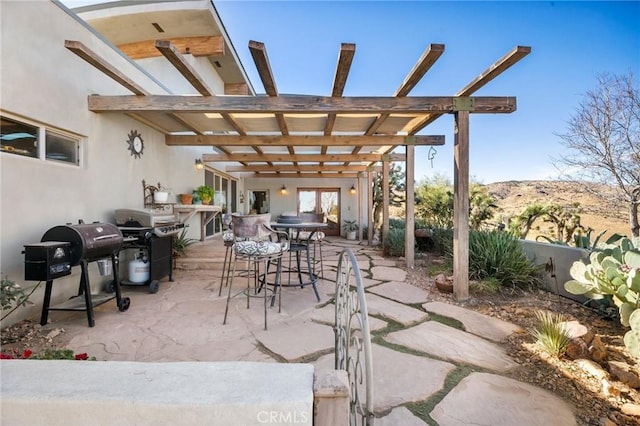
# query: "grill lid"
{"type": "Point", "coordinates": [89, 241]}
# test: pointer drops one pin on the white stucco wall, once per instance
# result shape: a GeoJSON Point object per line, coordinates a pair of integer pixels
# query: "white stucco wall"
{"type": "Point", "coordinates": [43, 83]}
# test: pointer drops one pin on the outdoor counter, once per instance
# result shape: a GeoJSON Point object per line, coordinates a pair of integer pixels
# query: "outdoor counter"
{"type": "Point", "coordinates": [184, 212]}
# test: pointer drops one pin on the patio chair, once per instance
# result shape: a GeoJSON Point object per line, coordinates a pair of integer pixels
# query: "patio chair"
{"type": "Point", "coordinates": [313, 238]}
{"type": "Point", "coordinates": [256, 244]}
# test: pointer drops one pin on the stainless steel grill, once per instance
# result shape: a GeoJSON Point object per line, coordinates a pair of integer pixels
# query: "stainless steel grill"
{"type": "Point", "coordinates": [152, 232]}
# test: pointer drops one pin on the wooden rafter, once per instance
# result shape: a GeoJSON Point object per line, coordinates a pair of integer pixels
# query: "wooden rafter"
{"type": "Point", "coordinates": [347, 52]}
{"type": "Point", "coordinates": [101, 64]}
{"type": "Point", "coordinates": [310, 158]}
{"type": "Point", "coordinates": [325, 141]}
{"type": "Point", "coordinates": [259, 55]}
{"type": "Point", "coordinates": [179, 62]}
{"type": "Point", "coordinates": [426, 61]}
{"type": "Point", "coordinates": [298, 168]}
{"type": "Point", "coordinates": [299, 104]}
{"type": "Point", "coordinates": [94, 59]}
{"type": "Point", "coordinates": [424, 64]}
{"type": "Point", "coordinates": [196, 46]}
{"type": "Point", "coordinates": [303, 175]}
{"type": "Point", "coordinates": [504, 63]}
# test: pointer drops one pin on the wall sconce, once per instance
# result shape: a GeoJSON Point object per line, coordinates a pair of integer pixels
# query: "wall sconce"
{"type": "Point", "coordinates": [283, 190]}
{"type": "Point", "coordinates": [199, 164]}
{"type": "Point", "coordinates": [352, 190]}
{"type": "Point", "coordinates": [241, 197]}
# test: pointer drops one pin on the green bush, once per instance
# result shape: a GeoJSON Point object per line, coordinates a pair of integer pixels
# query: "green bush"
{"type": "Point", "coordinates": [395, 223]}
{"type": "Point", "coordinates": [393, 244]}
{"type": "Point", "coordinates": [499, 255]}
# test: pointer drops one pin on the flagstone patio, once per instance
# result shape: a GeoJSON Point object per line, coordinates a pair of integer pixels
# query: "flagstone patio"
{"type": "Point", "coordinates": [414, 356]}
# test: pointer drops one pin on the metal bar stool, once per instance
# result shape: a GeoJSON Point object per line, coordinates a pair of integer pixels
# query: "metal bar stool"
{"type": "Point", "coordinates": [228, 239]}
{"type": "Point", "coordinates": [253, 245]}
{"type": "Point", "coordinates": [314, 238]}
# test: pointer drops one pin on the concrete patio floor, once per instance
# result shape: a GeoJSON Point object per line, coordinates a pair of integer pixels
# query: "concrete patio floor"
{"type": "Point", "coordinates": [414, 358]}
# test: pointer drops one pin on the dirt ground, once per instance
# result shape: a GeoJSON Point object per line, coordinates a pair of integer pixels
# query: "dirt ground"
{"type": "Point", "coordinates": [599, 398]}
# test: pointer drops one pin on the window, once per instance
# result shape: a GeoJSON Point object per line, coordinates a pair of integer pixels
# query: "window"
{"type": "Point", "coordinates": [25, 139]}
{"type": "Point", "coordinates": [18, 138]}
{"type": "Point", "coordinates": [61, 148]}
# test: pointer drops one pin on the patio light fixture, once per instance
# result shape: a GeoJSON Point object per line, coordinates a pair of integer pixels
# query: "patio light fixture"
{"type": "Point", "coordinates": [199, 164]}
{"type": "Point", "coordinates": [283, 190]}
{"type": "Point", "coordinates": [352, 190]}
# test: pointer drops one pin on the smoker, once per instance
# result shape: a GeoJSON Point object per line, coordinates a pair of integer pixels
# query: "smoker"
{"type": "Point", "coordinates": [149, 233]}
{"type": "Point", "coordinates": [65, 246]}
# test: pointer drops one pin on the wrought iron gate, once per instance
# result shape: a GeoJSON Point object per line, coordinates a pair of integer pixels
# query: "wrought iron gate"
{"type": "Point", "coordinates": [353, 341]}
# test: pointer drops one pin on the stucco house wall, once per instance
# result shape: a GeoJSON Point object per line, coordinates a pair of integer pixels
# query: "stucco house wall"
{"type": "Point", "coordinates": [45, 84]}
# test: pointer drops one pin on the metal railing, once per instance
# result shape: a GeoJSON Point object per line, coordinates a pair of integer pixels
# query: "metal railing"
{"type": "Point", "coordinates": [353, 340]}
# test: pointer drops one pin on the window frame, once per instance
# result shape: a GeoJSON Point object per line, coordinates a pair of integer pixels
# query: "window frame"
{"type": "Point", "coordinates": [43, 131]}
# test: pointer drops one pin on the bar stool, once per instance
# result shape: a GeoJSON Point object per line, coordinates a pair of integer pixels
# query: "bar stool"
{"type": "Point", "coordinates": [228, 239]}
{"type": "Point", "coordinates": [314, 238]}
{"type": "Point", "coordinates": [254, 245]}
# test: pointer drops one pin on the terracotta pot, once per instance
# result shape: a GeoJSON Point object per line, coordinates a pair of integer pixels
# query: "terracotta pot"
{"type": "Point", "coordinates": [186, 198]}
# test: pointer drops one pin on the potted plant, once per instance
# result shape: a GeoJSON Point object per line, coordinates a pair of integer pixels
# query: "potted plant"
{"type": "Point", "coordinates": [205, 194]}
{"type": "Point", "coordinates": [161, 195]}
{"type": "Point", "coordinates": [350, 227]}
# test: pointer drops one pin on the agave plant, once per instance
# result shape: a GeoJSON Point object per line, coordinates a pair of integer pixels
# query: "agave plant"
{"type": "Point", "coordinates": [613, 271]}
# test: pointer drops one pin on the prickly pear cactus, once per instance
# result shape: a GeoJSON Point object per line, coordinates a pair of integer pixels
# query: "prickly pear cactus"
{"type": "Point", "coordinates": [613, 271]}
{"type": "Point", "coordinates": [632, 337]}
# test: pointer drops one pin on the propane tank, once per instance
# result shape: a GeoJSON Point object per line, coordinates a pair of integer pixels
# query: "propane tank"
{"type": "Point", "coordinates": [139, 268]}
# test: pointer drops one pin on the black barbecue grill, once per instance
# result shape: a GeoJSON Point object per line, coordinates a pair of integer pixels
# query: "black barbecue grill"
{"type": "Point", "coordinates": [69, 245]}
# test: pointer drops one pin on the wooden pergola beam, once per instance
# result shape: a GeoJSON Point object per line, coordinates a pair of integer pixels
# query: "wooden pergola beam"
{"type": "Point", "coordinates": [178, 61]}
{"type": "Point", "coordinates": [298, 168]}
{"type": "Point", "coordinates": [303, 175]}
{"type": "Point", "coordinates": [310, 158]}
{"type": "Point", "coordinates": [297, 104]}
{"type": "Point", "coordinates": [259, 55]}
{"type": "Point", "coordinates": [347, 52]}
{"type": "Point", "coordinates": [325, 141]}
{"type": "Point", "coordinates": [504, 63]}
{"type": "Point", "coordinates": [196, 46]}
{"type": "Point", "coordinates": [98, 62]}
{"type": "Point", "coordinates": [426, 61]}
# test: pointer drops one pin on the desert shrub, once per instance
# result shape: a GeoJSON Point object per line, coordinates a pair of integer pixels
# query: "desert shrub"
{"type": "Point", "coordinates": [393, 244]}
{"type": "Point", "coordinates": [443, 241]}
{"type": "Point", "coordinates": [551, 333]}
{"type": "Point", "coordinates": [395, 223]}
{"type": "Point", "coordinates": [498, 255]}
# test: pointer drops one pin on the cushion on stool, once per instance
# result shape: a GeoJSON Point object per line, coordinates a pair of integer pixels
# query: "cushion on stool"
{"type": "Point", "coordinates": [258, 248]}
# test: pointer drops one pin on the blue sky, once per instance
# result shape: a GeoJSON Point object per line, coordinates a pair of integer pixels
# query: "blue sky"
{"type": "Point", "coordinates": [571, 43]}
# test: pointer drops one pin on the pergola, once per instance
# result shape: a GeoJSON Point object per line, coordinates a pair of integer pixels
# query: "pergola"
{"type": "Point", "coordinates": [304, 136]}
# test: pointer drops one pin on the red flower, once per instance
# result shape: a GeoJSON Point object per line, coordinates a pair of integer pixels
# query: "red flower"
{"type": "Point", "coordinates": [82, 357]}
{"type": "Point", "coordinates": [27, 353]}
{"type": "Point", "coordinates": [5, 356]}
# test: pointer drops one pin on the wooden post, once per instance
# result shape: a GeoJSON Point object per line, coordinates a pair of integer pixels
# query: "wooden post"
{"type": "Point", "coordinates": [370, 207]}
{"type": "Point", "coordinates": [461, 206]}
{"type": "Point", "coordinates": [331, 398]}
{"type": "Point", "coordinates": [385, 199]}
{"type": "Point", "coordinates": [409, 239]}
{"type": "Point", "coordinates": [360, 212]}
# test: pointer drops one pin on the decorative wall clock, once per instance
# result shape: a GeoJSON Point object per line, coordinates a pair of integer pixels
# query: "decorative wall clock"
{"type": "Point", "coordinates": [136, 145]}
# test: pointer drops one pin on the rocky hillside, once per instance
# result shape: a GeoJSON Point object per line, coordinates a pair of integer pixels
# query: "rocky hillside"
{"type": "Point", "coordinates": [599, 212]}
